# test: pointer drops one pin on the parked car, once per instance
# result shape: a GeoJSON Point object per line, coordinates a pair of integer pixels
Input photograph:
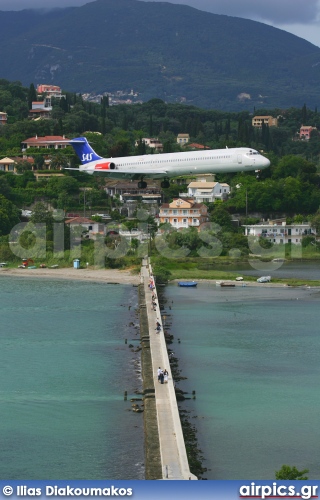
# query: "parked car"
{"type": "Point", "coordinates": [264, 279]}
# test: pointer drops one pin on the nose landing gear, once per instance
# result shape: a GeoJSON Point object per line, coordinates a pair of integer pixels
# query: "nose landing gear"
{"type": "Point", "coordinates": [165, 184]}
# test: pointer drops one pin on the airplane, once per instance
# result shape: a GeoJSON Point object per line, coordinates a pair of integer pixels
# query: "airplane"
{"type": "Point", "coordinates": [166, 165]}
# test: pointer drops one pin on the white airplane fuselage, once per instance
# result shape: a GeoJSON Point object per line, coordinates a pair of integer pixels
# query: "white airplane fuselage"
{"type": "Point", "coordinates": [168, 165]}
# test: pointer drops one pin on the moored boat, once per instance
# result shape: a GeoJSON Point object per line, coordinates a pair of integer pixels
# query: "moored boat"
{"type": "Point", "coordinates": [187, 283]}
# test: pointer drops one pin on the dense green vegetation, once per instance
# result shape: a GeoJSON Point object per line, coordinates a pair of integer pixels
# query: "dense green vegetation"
{"type": "Point", "coordinates": [290, 187]}
{"type": "Point", "coordinates": [291, 473]}
{"type": "Point", "coordinates": [173, 52]}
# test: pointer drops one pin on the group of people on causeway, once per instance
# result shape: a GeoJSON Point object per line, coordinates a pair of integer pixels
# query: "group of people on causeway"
{"type": "Point", "coordinates": [153, 297]}
{"type": "Point", "coordinates": [162, 376]}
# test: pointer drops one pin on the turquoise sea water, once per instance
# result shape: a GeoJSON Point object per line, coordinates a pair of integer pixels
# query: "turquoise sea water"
{"type": "Point", "coordinates": [64, 369]}
{"type": "Point", "coordinates": [253, 357]}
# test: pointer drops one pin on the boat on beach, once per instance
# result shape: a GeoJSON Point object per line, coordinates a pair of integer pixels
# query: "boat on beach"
{"type": "Point", "coordinates": [187, 283]}
{"type": "Point", "coordinates": [225, 283]}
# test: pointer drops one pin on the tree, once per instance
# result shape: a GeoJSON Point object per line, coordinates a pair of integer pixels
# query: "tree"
{"type": "Point", "coordinates": [141, 147]}
{"type": "Point", "coordinates": [304, 115]}
{"type": "Point", "coordinates": [291, 473]}
{"type": "Point", "coordinates": [32, 95]}
{"type": "Point", "coordinates": [41, 215]}
{"type": "Point", "coordinates": [161, 274]}
{"type": "Point", "coordinates": [9, 215]}
{"type": "Point", "coordinates": [23, 166]}
{"type": "Point", "coordinates": [315, 222]}
{"type": "Point", "coordinates": [221, 216]}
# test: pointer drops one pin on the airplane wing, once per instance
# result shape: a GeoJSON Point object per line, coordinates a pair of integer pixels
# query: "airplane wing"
{"type": "Point", "coordinates": [141, 171]}
{"type": "Point", "coordinates": [124, 171]}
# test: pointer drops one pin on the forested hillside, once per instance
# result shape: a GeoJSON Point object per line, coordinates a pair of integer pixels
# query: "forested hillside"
{"type": "Point", "coordinates": [291, 185]}
{"type": "Point", "coordinates": [161, 50]}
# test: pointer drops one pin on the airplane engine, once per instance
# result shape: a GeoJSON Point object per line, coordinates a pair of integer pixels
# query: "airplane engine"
{"type": "Point", "coordinates": [107, 165]}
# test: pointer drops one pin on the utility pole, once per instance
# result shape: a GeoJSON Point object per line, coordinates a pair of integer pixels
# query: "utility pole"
{"type": "Point", "coordinates": [246, 203]}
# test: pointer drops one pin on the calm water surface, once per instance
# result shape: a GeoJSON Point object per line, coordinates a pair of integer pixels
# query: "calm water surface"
{"type": "Point", "coordinates": [295, 269]}
{"type": "Point", "coordinates": [64, 369]}
{"type": "Point", "coordinates": [253, 356]}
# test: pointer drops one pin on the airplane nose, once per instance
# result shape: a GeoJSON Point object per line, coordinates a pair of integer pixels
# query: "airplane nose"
{"type": "Point", "coordinates": [266, 163]}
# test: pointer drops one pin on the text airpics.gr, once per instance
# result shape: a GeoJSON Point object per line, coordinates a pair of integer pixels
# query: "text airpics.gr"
{"type": "Point", "coordinates": [253, 490]}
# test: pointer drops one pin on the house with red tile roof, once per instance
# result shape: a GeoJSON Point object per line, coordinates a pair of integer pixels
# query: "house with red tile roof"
{"type": "Point", "coordinates": [183, 213]}
{"type": "Point", "coordinates": [47, 142]}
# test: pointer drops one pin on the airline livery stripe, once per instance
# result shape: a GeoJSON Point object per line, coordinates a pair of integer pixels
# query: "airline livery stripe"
{"type": "Point", "coordinates": [102, 166]}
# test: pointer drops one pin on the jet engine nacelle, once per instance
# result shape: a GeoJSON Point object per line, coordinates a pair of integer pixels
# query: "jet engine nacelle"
{"type": "Point", "coordinates": [106, 165]}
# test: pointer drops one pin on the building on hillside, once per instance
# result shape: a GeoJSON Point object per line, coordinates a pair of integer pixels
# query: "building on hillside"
{"type": "Point", "coordinates": [196, 146]}
{"type": "Point", "coordinates": [49, 90]}
{"type": "Point", "coordinates": [151, 143]}
{"type": "Point", "coordinates": [24, 159]}
{"type": "Point", "coordinates": [183, 139]}
{"type": "Point", "coordinates": [279, 232]}
{"type": "Point", "coordinates": [183, 213]}
{"type": "Point", "coordinates": [135, 234]}
{"type": "Point", "coordinates": [130, 191]}
{"type": "Point", "coordinates": [207, 191]}
{"type": "Point", "coordinates": [47, 142]}
{"type": "Point", "coordinates": [40, 109]}
{"type": "Point", "coordinates": [87, 227]}
{"type": "Point", "coordinates": [3, 118]}
{"type": "Point", "coordinates": [305, 132]}
{"type": "Point", "coordinates": [12, 164]}
{"type": "Point", "coordinates": [8, 165]}
{"type": "Point", "coordinates": [257, 121]}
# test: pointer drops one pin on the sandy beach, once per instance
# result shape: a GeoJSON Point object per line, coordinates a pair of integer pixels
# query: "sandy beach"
{"type": "Point", "coordinates": [110, 276]}
{"type": "Point", "coordinates": [98, 275]}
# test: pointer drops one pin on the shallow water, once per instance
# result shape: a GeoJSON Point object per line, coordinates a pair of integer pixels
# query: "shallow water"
{"type": "Point", "coordinates": [295, 269]}
{"type": "Point", "coordinates": [64, 369]}
{"type": "Point", "coordinates": [253, 357]}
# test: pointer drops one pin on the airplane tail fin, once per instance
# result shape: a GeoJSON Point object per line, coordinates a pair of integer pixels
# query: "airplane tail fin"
{"type": "Point", "coordinates": [84, 150]}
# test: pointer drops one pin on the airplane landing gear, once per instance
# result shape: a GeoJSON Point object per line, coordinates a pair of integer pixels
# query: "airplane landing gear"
{"type": "Point", "coordinates": [142, 184]}
{"type": "Point", "coordinates": [165, 184]}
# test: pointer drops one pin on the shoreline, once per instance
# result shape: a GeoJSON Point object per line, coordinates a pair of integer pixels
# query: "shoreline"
{"type": "Point", "coordinates": [125, 277]}
{"type": "Point", "coordinates": [247, 283]}
{"type": "Point", "coordinates": [114, 276]}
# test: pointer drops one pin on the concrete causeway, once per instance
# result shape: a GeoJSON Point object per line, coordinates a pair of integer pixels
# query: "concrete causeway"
{"type": "Point", "coordinates": [173, 453]}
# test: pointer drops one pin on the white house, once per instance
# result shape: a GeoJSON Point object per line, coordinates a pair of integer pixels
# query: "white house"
{"type": "Point", "coordinates": [201, 191]}
{"type": "Point", "coordinates": [151, 143]}
{"type": "Point", "coordinates": [280, 232]}
{"type": "Point", "coordinates": [134, 234]}
{"type": "Point", "coordinates": [90, 227]}
{"type": "Point", "coordinates": [183, 138]}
